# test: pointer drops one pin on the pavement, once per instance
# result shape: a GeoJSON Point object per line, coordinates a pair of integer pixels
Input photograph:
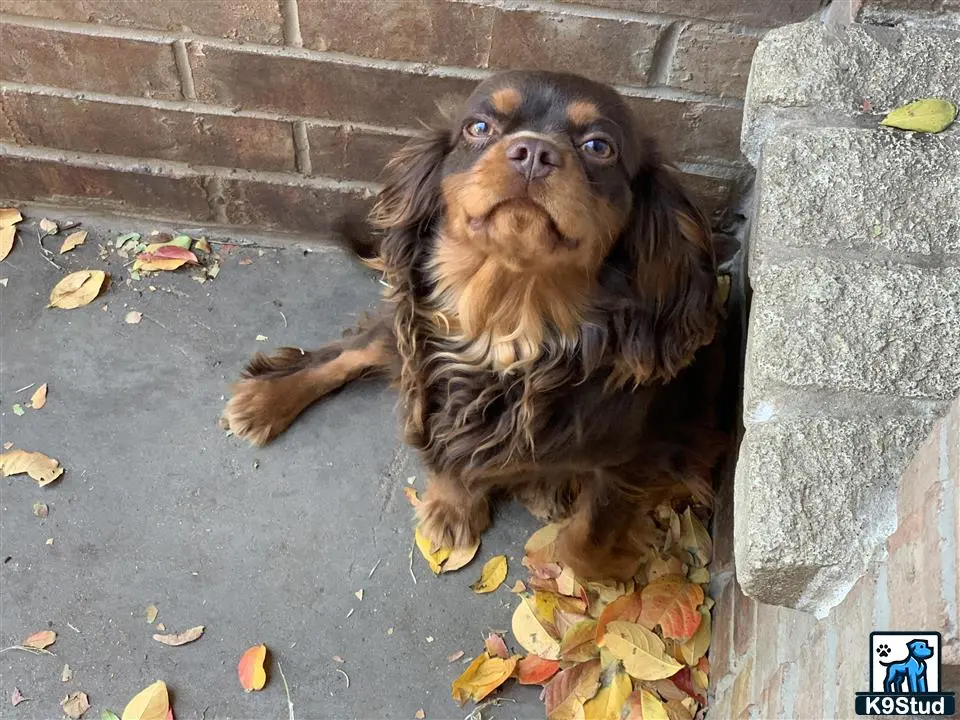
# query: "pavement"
{"type": "Point", "coordinates": [158, 505]}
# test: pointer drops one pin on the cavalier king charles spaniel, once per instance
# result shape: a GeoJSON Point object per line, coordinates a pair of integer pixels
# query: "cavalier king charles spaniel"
{"type": "Point", "coordinates": [551, 321]}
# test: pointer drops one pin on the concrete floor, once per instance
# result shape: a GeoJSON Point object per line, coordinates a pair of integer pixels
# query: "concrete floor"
{"type": "Point", "coordinates": [158, 506]}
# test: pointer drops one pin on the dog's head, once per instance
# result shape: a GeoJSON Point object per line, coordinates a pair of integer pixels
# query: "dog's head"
{"type": "Point", "coordinates": [920, 649]}
{"type": "Point", "coordinates": [540, 214]}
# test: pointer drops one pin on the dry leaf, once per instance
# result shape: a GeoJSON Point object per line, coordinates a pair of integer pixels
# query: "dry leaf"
{"type": "Point", "coordinates": [541, 548]}
{"type": "Point", "coordinates": [435, 557]}
{"type": "Point", "coordinates": [66, 675]}
{"type": "Point", "coordinates": [579, 643]}
{"type": "Point", "coordinates": [41, 510]}
{"type": "Point", "coordinates": [676, 710]}
{"type": "Point", "coordinates": [41, 468]}
{"type": "Point", "coordinates": [77, 289]}
{"type": "Point", "coordinates": [359, 594]}
{"type": "Point", "coordinates": [250, 669]}
{"type": "Point", "coordinates": [7, 236]}
{"type": "Point", "coordinates": [9, 216]}
{"type": "Point", "coordinates": [164, 257]}
{"type": "Point", "coordinates": [73, 240]}
{"type": "Point", "coordinates": [492, 575]}
{"type": "Point", "coordinates": [644, 705]}
{"type": "Point", "coordinates": [696, 647]}
{"type": "Point", "coordinates": [453, 657]}
{"type": "Point", "coordinates": [151, 703]}
{"type": "Point", "coordinates": [606, 704]}
{"type": "Point", "coordinates": [419, 714]}
{"type": "Point", "coordinates": [49, 227]}
{"type": "Point", "coordinates": [700, 576]}
{"type": "Point", "coordinates": [642, 653]}
{"type": "Point", "coordinates": [518, 587]}
{"type": "Point", "coordinates": [411, 495]}
{"type": "Point", "coordinates": [534, 670]}
{"type": "Point", "coordinates": [930, 115]}
{"type": "Point", "coordinates": [133, 317]}
{"type": "Point", "coordinates": [531, 634]}
{"type": "Point", "coordinates": [484, 675]}
{"type": "Point", "coordinates": [151, 613]}
{"type": "Point", "coordinates": [175, 639]}
{"type": "Point", "coordinates": [17, 697]}
{"type": "Point", "coordinates": [684, 685]}
{"type": "Point", "coordinates": [108, 715]}
{"type": "Point", "coordinates": [626, 608]}
{"type": "Point", "coordinates": [39, 397]}
{"type": "Point", "coordinates": [695, 539]}
{"type": "Point", "coordinates": [161, 627]}
{"type": "Point", "coordinates": [75, 705]}
{"type": "Point", "coordinates": [202, 245]}
{"type": "Point", "coordinates": [460, 557]}
{"type": "Point", "coordinates": [671, 602]}
{"type": "Point", "coordinates": [660, 567]}
{"type": "Point", "coordinates": [495, 646]}
{"type": "Point", "coordinates": [564, 696]}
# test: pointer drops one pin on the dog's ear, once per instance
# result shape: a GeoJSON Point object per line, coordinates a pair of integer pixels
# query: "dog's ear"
{"type": "Point", "coordinates": [663, 276]}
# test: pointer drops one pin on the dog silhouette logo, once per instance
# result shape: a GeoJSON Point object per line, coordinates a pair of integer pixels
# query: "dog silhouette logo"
{"type": "Point", "coordinates": [905, 676]}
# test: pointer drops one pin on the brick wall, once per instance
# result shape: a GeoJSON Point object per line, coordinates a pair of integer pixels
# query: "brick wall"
{"type": "Point", "coordinates": [278, 114]}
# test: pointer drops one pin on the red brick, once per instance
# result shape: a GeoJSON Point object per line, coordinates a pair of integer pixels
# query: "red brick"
{"type": "Point", "coordinates": [744, 621]}
{"type": "Point", "coordinates": [250, 20]}
{"type": "Point", "coordinates": [86, 62]}
{"type": "Point", "coordinates": [690, 131]}
{"type": "Point", "coordinates": [290, 208]}
{"type": "Point", "coordinates": [123, 192]}
{"type": "Point", "coordinates": [712, 59]}
{"type": "Point", "coordinates": [423, 31]}
{"type": "Point", "coordinates": [607, 50]}
{"type": "Point", "coordinates": [745, 12]}
{"type": "Point", "coordinates": [133, 130]}
{"type": "Point", "coordinates": [716, 197]}
{"type": "Point", "coordinates": [721, 645]}
{"type": "Point", "coordinates": [319, 89]}
{"type": "Point", "coordinates": [350, 154]}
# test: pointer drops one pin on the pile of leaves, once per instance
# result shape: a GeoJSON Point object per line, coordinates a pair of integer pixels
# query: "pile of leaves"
{"type": "Point", "coordinates": [620, 651]}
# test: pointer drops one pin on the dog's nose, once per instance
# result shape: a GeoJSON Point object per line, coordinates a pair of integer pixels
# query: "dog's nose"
{"type": "Point", "coordinates": [533, 158]}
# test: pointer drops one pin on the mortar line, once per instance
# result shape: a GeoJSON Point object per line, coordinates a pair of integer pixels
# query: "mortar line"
{"type": "Point", "coordinates": [290, 12]}
{"type": "Point", "coordinates": [301, 145]}
{"type": "Point", "coordinates": [663, 52]}
{"type": "Point", "coordinates": [184, 70]}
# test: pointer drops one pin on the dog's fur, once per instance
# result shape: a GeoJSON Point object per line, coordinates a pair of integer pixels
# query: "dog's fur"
{"type": "Point", "coordinates": [553, 338]}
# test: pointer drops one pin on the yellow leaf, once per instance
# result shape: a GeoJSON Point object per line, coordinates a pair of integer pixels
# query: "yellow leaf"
{"type": "Point", "coordinates": [175, 639]}
{"type": "Point", "coordinates": [151, 703]}
{"type": "Point", "coordinates": [158, 263]}
{"type": "Point", "coordinates": [250, 669]}
{"type": "Point", "coordinates": [695, 648]}
{"type": "Point", "coordinates": [579, 643]}
{"type": "Point", "coordinates": [39, 397]}
{"type": "Point", "coordinates": [565, 694]}
{"type": "Point", "coordinates": [930, 115]}
{"type": "Point", "coordinates": [151, 613]}
{"type": "Point", "coordinates": [541, 547]}
{"type": "Point", "coordinates": [9, 216]}
{"type": "Point", "coordinates": [642, 653]}
{"type": "Point", "coordinates": [73, 240]}
{"type": "Point", "coordinates": [435, 557]}
{"type": "Point", "coordinates": [700, 576]}
{"type": "Point", "coordinates": [40, 640]}
{"type": "Point", "coordinates": [531, 634]}
{"type": "Point", "coordinates": [518, 587]}
{"type": "Point", "coordinates": [77, 289]}
{"type": "Point", "coordinates": [492, 575]}
{"type": "Point", "coordinates": [484, 675]}
{"type": "Point", "coordinates": [607, 703]}
{"type": "Point", "coordinates": [644, 705]}
{"type": "Point", "coordinates": [41, 468]}
{"type": "Point", "coordinates": [700, 680]}
{"type": "Point", "coordinates": [49, 227]}
{"type": "Point", "coordinates": [459, 557]}
{"type": "Point", "coordinates": [7, 235]}
{"type": "Point", "coordinates": [695, 539]}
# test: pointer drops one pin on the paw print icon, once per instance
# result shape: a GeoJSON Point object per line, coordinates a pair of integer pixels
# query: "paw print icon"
{"type": "Point", "coordinates": [883, 650]}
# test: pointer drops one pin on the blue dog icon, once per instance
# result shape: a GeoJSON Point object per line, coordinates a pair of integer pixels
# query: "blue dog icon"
{"type": "Point", "coordinates": [912, 668]}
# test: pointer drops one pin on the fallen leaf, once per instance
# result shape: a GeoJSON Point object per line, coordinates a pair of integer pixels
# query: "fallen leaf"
{"type": "Point", "coordinates": [495, 645]}
{"type": "Point", "coordinates": [124, 239]}
{"type": "Point", "coordinates": [695, 648]}
{"type": "Point", "coordinates": [151, 703]}
{"type": "Point", "coordinates": [695, 539]}
{"type": "Point", "coordinates": [41, 510]}
{"type": "Point", "coordinates": [181, 241]}
{"type": "Point", "coordinates": [626, 608]}
{"type": "Point", "coordinates": [164, 257]}
{"type": "Point", "coordinates": [151, 613]}
{"type": "Point", "coordinates": [700, 680]}
{"type": "Point", "coordinates": [682, 682]}
{"type": "Point", "coordinates": [108, 715]}
{"type": "Point", "coordinates": [7, 236]}
{"type": "Point", "coordinates": [540, 548]}
{"type": "Point", "coordinates": [460, 557]}
{"type": "Point", "coordinates": [564, 696]}
{"type": "Point", "coordinates": [482, 676]}
{"type": "Point", "coordinates": [660, 567]}
{"type": "Point", "coordinates": [419, 714]}
{"type": "Point", "coordinates": [579, 643]}
{"type": "Point", "coordinates": [642, 653]}
{"type": "Point", "coordinates": [671, 602]}
{"type": "Point", "coordinates": [492, 575]}
{"type": "Point", "coordinates": [202, 245]}
{"type": "Point", "coordinates": [213, 270]}
{"type": "Point", "coordinates": [262, 338]}
{"type": "Point", "coordinates": [644, 705]}
{"type": "Point", "coordinates": [7, 445]}
{"type": "Point", "coordinates": [700, 576]}
{"type": "Point", "coordinates": [41, 468]}
{"type": "Point", "coordinates": [246, 261]}
{"type": "Point", "coordinates": [73, 240]}
{"type": "Point", "coordinates": [77, 289]}
{"type": "Point", "coordinates": [176, 639]}
{"type": "Point", "coordinates": [534, 670]}
{"type": "Point", "coordinates": [49, 541]}
{"type": "Point", "coordinates": [133, 317]}
{"type": "Point", "coordinates": [9, 216]}
{"type": "Point", "coordinates": [75, 705]}
{"type": "Point", "coordinates": [250, 669]}
{"type": "Point", "coordinates": [66, 675]}
{"type": "Point", "coordinates": [435, 557]}
{"type": "Point", "coordinates": [17, 697]}
{"type": "Point", "coordinates": [518, 587]}
{"type": "Point", "coordinates": [49, 227]}
{"type": "Point", "coordinates": [359, 594]}
{"type": "Point", "coordinates": [411, 495]}
{"type": "Point", "coordinates": [453, 657]}
{"type": "Point", "coordinates": [606, 704]}
{"type": "Point", "coordinates": [39, 397]}
{"type": "Point", "coordinates": [531, 634]}
{"type": "Point", "coordinates": [18, 410]}
{"type": "Point", "coordinates": [930, 115]}
{"type": "Point", "coordinates": [161, 627]}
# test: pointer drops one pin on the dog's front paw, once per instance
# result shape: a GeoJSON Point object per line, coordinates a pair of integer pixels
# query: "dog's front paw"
{"type": "Point", "coordinates": [450, 525]}
{"type": "Point", "coordinates": [255, 412]}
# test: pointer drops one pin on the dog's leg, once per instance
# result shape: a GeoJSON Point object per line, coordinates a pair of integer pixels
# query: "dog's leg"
{"type": "Point", "coordinates": [450, 515]}
{"type": "Point", "coordinates": [275, 389]}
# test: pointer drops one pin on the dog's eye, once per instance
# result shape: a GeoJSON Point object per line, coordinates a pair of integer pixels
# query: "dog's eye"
{"type": "Point", "coordinates": [598, 148]}
{"type": "Point", "coordinates": [479, 129]}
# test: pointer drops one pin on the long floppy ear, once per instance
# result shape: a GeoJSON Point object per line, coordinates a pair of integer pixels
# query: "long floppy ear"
{"type": "Point", "coordinates": [666, 304]}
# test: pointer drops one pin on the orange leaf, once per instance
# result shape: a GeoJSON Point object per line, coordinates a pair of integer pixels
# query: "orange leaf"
{"type": "Point", "coordinates": [39, 398]}
{"type": "Point", "coordinates": [495, 646]}
{"type": "Point", "coordinates": [411, 496]}
{"type": "Point", "coordinates": [644, 705]}
{"type": "Point", "coordinates": [672, 603]}
{"type": "Point", "coordinates": [535, 670]}
{"type": "Point", "coordinates": [250, 669]}
{"type": "Point", "coordinates": [40, 640]}
{"type": "Point", "coordinates": [164, 257]}
{"type": "Point", "coordinates": [626, 608]}
{"type": "Point", "coordinates": [484, 675]}
{"type": "Point", "coordinates": [564, 696]}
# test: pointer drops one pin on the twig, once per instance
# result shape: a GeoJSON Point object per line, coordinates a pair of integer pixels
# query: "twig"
{"type": "Point", "coordinates": [70, 226]}
{"type": "Point", "coordinates": [27, 387]}
{"type": "Point", "coordinates": [155, 321]}
{"type": "Point", "coordinates": [374, 569]}
{"type": "Point", "coordinates": [75, 629]}
{"type": "Point", "coordinates": [284, 317]}
{"type": "Point", "coordinates": [344, 675]}
{"type": "Point", "coordinates": [286, 689]}
{"type": "Point", "coordinates": [44, 253]}
{"type": "Point", "coordinates": [31, 650]}
{"type": "Point", "coordinates": [411, 567]}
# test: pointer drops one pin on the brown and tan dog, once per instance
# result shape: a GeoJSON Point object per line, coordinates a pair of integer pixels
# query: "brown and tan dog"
{"type": "Point", "coordinates": [550, 322]}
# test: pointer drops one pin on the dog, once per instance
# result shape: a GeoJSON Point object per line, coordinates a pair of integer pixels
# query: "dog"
{"type": "Point", "coordinates": [551, 322]}
{"type": "Point", "coordinates": [912, 668]}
